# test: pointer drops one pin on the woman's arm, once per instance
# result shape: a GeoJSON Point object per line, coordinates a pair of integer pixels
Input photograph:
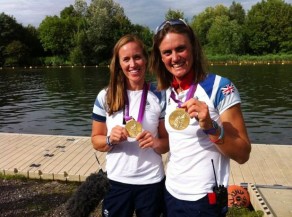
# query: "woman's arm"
{"type": "Point", "coordinates": [98, 136]}
{"type": "Point", "coordinates": [235, 143]}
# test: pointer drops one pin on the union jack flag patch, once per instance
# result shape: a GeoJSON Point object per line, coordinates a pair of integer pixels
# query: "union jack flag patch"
{"type": "Point", "coordinates": [228, 89]}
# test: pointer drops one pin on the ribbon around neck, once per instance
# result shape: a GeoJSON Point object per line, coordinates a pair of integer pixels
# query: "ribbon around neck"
{"type": "Point", "coordinates": [190, 93]}
{"type": "Point", "coordinates": [141, 108]}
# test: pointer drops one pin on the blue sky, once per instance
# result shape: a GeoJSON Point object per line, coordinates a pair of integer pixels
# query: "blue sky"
{"type": "Point", "coordinates": [144, 12]}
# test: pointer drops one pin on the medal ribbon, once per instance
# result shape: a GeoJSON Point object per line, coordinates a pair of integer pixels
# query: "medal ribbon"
{"type": "Point", "coordinates": [190, 93]}
{"type": "Point", "coordinates": [142, 105]}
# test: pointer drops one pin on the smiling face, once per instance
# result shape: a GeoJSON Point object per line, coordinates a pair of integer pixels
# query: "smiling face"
{"type": "Point", "coordinates": [133, 63]}
{"type": "Point", "coordinates": [176, 54]}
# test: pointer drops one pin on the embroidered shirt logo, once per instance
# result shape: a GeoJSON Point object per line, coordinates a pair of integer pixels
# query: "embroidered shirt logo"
{"type": "Point", "coordinates": [106, 212]}
{"type": "Point", "coordinates": [228, 89]}
{"type": "Point", "coordinates": [147, 105]}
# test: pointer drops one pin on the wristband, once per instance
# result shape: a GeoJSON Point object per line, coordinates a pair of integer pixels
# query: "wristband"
{"type": "Point", "coordinates": [213, 130]}
{"type": "Point", "coordinates": [108, 142]}
{"type": "Point", "coordinates": [220, 136]}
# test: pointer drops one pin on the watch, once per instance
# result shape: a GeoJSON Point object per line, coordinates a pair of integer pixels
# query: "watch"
{"type": "Point", "coordinates": [212, 130]}
{"type": "Point", "coordinates": [108, 142]}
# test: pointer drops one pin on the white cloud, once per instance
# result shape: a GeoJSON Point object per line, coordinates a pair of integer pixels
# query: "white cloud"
{"type": "Point", "coordinates": [148, 13]}
{"type": "Point", "coordinates": [152, 12]}
{"type": "Point", "coordinates": [33, 11]}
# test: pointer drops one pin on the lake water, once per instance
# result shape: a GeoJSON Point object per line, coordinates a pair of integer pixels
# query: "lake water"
{"type": "Point", "coordinates": [59, 101]}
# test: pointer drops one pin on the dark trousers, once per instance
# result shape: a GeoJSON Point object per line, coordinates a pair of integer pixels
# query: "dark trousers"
{"type": "Point", "coordinates": [122, 200]}
{"type": "Point", "coordinates": [183, 208]}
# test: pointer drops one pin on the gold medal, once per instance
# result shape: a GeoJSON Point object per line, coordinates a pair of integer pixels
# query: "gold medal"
{"type": "Point", "coordinates": [179, 119]}
{"type": "Point", "coordinates": [133, 127]}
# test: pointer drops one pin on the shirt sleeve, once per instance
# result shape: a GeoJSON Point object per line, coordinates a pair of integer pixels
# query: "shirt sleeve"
{"type": "Point", "coordinates": [99, 110]}
{"type": "Point", "coordinates": [227, 95]}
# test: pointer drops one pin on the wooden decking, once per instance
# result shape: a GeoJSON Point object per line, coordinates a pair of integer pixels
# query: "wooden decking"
{"type": "Point", "coordinates": [48, 157]}
{"type": "Point", "coordinates": [72, 158]}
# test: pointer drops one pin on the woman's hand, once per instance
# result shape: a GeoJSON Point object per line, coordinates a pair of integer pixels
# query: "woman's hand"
{"type": "Point", "coordinates": [118, 134]}
{"type": "Point", "coordinates": [146, 140]}
{"type": "Point", "coordinates": [160, 145]}
{"type": "Point", "coordinates": [199, 110]}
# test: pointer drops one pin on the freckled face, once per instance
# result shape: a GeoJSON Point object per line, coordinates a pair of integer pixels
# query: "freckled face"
{"type": "Point", "coordinates": [176, 54]}
{"type": "Point", "coordinates": [133, 64]}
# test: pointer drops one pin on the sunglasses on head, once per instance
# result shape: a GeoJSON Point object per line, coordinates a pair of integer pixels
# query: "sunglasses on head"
{"type": "Point", "coordinates": [171, 22]}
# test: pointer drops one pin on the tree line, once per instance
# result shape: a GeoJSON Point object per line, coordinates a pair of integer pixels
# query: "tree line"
{"type": "Point", "coordinates": [85, 34]}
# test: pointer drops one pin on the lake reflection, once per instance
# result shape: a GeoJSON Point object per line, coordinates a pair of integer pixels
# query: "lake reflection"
{"type": "Point", "coordinates": [59, 101]}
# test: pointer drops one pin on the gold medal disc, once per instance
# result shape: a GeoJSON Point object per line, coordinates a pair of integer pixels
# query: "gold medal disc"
{"type": "Point", "coordinates": [134, 128]}
{"type": "Point", "coordinates": [179, 119]}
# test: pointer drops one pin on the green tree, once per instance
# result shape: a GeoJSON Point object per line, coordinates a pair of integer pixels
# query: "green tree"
{"type": "Point", "coordinates": [236, 12]}
{"type": "Point", "coordinates": [55, 35]}
{"type": "Point", "coordinates": [13, 38]}
{"type": "Point", "coordinates": [80, 54]}
{"type": "Point", "coordinates": [225, 36]}
{"type": "Point", "coordinates": [106, 24]}
{"type": "Point", "coordinates": [81, 51]}
{"type": "Point", "coordinates": [268, 25]}
{"type": "Point", "coordinates": [31, 39]}
{"type": "Point", "coordinates": [145, 34]}
{"type": "Point", "coordinates": [174, 14]}
{"type": "Point", "coordinates": [10, 30]}
{"type": "Point", "coordinates": [15, 53]}
{"type": "Point", "coordinates": [203, 22]}
{"type": "Point", "coordinates": [81, 7]}
{"type": "Point", "coordinates": [80, 47]}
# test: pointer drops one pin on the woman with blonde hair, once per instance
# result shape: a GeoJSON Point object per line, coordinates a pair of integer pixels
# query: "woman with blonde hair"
{"type": "Point", "coordinates": [128, 124]}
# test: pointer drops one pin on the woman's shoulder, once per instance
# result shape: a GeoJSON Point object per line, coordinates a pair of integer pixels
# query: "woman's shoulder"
{"type": "Point", "coordinates": [160, 94]}
{"type": "Point", "coordinates": [212, 79]}
{"type": "Point", "coordinates": [103, 91]}
{"type": "Point", "coordinates": [153, 87]}
{"type": "Point", "coordinates": [101, 96]}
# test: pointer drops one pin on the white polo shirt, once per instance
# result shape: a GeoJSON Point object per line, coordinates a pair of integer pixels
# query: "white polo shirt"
{"type": "Point", "coordinates": [126, 162]}
{"type": "Point", "coordinates": [190, 174]}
